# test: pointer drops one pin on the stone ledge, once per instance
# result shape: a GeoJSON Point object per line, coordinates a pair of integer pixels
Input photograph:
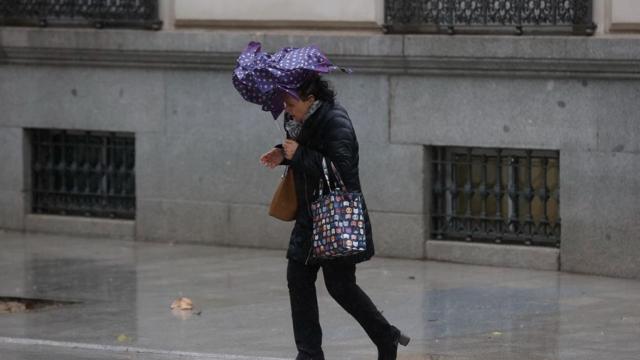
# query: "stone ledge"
{"type": "Point", "coordinates": [72, 225]}
{"type": "Point", "coordinates": [525, 257]}
{"type": "Point", "coordinates": [531, 56]}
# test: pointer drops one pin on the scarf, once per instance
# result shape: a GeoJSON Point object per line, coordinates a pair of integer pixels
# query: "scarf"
{"type": "Point", "coordinates": [294, 127]}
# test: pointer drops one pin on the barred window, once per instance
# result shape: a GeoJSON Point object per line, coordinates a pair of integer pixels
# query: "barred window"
{"type": "Point", "coordinates": [490, 16]}
{"type": "Point", "coordinates": [496, 195]}
{"type": "Point", "coordinates": [83, 173]}
{"type": "Point", "coordinates": [127, 13]}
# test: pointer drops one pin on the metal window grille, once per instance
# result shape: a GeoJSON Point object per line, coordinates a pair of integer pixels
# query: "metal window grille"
{"type": "Point", "coordinates": [496, 195]}
{"type": "Point", "coordinates": [83, 173]}
{"type": "Point", "coordinates": [98, 13]}
{"type": "Point", "coordinates": [510, 16]}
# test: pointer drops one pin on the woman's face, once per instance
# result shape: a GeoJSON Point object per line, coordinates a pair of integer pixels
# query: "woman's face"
{"type": "Point", "coordinates": [297, 108]}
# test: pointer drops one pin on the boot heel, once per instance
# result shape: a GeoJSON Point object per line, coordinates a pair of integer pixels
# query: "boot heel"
{"type": "Point", "coordinates": [403, 339]}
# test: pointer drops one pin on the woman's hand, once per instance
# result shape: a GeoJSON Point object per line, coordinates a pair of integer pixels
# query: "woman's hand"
{"type": "Point", "coordinates": [290, 147]}
{"type": "Point", "coordinates": [272, 158]}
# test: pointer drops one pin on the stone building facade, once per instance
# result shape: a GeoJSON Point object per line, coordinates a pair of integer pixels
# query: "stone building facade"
{"type": "Point", "coordinates": [480, 136]}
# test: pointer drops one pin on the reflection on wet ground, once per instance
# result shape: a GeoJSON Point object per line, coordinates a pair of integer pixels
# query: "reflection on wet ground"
{"type": "Point", "coordinates": [241, 305]}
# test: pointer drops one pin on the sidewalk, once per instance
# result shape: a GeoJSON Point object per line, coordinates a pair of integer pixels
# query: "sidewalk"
{"type": "Point", "coordinates": [124, 290]}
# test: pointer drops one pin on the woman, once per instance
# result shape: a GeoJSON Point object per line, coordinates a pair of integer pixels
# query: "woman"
{"type": "Point", "coordinates": [316, 127]}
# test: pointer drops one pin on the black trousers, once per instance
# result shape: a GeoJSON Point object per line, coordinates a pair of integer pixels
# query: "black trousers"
{"type": "Point", "coordinates": [340, 279]}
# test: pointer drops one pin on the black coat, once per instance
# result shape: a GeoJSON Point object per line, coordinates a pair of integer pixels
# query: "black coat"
{"type": "Point", "coordinates": [328, 132]}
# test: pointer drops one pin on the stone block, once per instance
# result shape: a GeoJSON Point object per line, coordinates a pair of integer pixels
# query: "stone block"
{"type": "Point", "coordinates": [151, 165]}
{"type": "Point", "coordinates": [495, 112]}
{"type": "Point", "coordinates": [182, 221]}
{"type": "Point", "coordinates": [599, 209]}
{"type": "Point", "coordinates": [251, 226]}
{"type": "Point", "coordinates": [12, 210]}
{"type": "Point", "coordinates": [207, 101]}
{"type": "Point", "coordinates": [392, 177]}
{"type": "Point", "coordinates": [82, 98]}
{"type": "Point", "coordinates": [514, 256]}
{"type": "Point", "coordinates": [80, 226]}
{"type": "Point", "coordinates": [366, 99]}
{"type": "Point", "coordinates": [12, 159]}
{"type": "Point", "coordinates": [399, 235]}
{"type": "Point", "coordinates": [480, 47]}
{"type": "Point", "coordinates": [617, 115]}
{"type": "Point", "coordinates": [521, 48]}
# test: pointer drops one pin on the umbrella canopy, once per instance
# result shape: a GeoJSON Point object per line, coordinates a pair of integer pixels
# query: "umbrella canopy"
{"type": "Point", "coordinates": [263, 78]}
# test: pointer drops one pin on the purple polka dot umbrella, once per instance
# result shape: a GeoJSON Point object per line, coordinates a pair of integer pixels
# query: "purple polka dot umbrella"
{"type": "Point", "coordinates": [263, 79]}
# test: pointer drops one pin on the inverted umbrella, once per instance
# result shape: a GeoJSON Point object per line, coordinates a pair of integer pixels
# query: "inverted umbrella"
{"type": "Point", "coordinates": [262, 78]}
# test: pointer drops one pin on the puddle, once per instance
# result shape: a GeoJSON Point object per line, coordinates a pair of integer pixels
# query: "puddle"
{"type": "Point", "coordinates": [13, 305]}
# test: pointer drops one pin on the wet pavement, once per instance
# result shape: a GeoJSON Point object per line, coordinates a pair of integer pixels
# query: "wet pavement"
{"type": "Point", "coordinates": [124, 291]}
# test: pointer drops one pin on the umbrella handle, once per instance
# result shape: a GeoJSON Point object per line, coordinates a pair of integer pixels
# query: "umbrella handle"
{"type": "Point", "coordinates": [280, 128]}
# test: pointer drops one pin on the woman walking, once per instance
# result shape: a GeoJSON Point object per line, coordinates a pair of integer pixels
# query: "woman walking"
{"type": "Point", "coordinates": [316, 127]}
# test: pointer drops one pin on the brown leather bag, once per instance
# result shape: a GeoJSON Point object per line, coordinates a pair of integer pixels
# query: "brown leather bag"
{"type": "Point", "coordinates": [284, 204]}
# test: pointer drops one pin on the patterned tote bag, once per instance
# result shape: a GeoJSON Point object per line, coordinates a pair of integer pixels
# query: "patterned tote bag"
{"type": "Point", "coordinates": [338, 219]}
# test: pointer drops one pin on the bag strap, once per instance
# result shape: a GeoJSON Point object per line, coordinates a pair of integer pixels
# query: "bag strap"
{"type": "Point", "coordinates": [336, 173]}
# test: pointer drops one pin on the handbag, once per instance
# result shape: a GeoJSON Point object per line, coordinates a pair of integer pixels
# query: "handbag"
{"type": "Point", "coordinates": [338, 220]}
{"type": "Point", "coordinates": [284, 204]}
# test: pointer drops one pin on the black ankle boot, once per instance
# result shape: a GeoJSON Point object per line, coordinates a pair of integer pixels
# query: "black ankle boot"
{"type": "Point", "coordinates": [389, 351]}
{"type": "Point", "coordinates": [302, 356]}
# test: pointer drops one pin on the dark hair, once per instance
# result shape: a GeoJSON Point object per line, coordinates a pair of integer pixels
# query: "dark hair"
{"type": "Point", "coordinates": [318, 87]}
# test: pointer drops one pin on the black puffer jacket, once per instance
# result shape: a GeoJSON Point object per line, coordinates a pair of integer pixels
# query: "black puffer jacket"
{"type": "Point", "coordinates": [327, 132]}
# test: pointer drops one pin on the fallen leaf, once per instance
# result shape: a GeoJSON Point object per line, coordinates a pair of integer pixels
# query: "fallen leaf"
{"type": "Point", "coordinates": [123, 338]}
{"type": "Point", "coordinates": [182, 303]}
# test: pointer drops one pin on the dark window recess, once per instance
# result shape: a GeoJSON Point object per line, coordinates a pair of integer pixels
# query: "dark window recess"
{"type": "Point", "coordinates": [496, 195]}
{"type": "Point", "coordinates": [96, 13]}
{"type": "Point", "coordinates": [83, 173]}
{"type": "Point", "coordinates": [490, 16]}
